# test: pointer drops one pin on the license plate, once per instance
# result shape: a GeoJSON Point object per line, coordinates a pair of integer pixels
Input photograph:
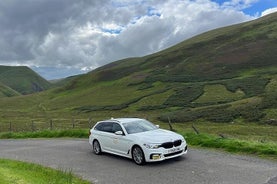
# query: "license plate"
{"type": "Point", "coordinates": [172, 150]}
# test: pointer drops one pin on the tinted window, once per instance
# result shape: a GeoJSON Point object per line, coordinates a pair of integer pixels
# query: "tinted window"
{"type": "Point", "coordinates": [104, 126]}
{"type": "Point", "coordinates": [98, 127]}
{"type": "Point", "coordinates": [108, 127]}
{"type": "Point", "coordinates": [116, 127]}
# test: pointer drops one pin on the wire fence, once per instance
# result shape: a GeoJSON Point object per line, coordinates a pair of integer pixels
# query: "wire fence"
{"type": "Point", "coordinates": [52, 124]}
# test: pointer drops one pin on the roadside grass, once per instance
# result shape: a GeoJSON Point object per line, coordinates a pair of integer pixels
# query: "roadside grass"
{"type": "Point", "coordinates": [75, 133]}
{"type": "Point", "coordinates": [18, 172]}
{"type": "Point", "coordinates": [237, 137]}
{"type": "Point", "coordinates": [236, 130]}
{"type": "Point", "coordinates": [267, 150]}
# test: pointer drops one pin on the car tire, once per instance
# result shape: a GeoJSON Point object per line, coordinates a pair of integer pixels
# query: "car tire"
{"type": "Point", "coordinates": [96, 147]}
{"type": "Point", "coordinates": [138, 155]}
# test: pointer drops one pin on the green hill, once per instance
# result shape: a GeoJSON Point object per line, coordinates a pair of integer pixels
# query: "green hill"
{"type": "Point", "coordinates": [220, 75]}
{"type": "Point", "coordinates": [63, 81]}
{"type": "Point", "coordinates": [22, 79]}
{"type": "Point", "coordinates": [224, 75]}
{"type": "Point", "coordinates": [5, 91]}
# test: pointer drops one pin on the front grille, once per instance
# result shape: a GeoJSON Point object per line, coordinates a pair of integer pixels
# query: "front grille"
{"type": "Point", "coordinates": [168, 145]}
{"type": "Point", "coordinates": [171, 154]}
{"type": "Point", "coordinates": [177, 143]}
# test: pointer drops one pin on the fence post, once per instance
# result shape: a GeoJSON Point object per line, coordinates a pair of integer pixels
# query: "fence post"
{"type": "Point", "coordinates": [195, 129]}
{"type": "Point", "coordinates": [73, 123]}
{"type": "Point", "coordinates": [33, 126]}
{"type": "Point", "coordinates": [169, 123]}
{"type": "Point", "coordinates": [51, 124]}
{"type": "Point", "coordinates": [10, 127]}
{"type": "Point", "coordinates": [90, 122]}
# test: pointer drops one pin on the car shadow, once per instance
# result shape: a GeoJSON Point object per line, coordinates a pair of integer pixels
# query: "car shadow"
{"type": "Point", "coordinates": [116, 158]}
{"type": "Point", "coordinates": [167, 162]}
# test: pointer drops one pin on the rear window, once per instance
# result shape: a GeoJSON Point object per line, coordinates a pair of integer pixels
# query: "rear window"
{"type": "Point", "coordinates": [108, 127]}
{"type": "Point", "coordinates": [104, 126]}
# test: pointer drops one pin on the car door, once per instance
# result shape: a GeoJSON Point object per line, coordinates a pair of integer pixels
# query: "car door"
{"type": "Point", "coordinates": [105, 135]}
{"type": "Point", "coordinates": [121, 144]}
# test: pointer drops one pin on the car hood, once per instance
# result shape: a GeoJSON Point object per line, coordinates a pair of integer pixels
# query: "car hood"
{"type": "Point", "coordinates": [157, 136]}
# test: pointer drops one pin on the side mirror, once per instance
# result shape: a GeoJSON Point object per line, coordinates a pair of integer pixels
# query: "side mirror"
{"type": "Point", "coordinates": [118, 133]}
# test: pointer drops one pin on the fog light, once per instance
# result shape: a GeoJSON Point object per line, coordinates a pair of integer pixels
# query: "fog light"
{"type": "Point", "coordinates": [155, 156]}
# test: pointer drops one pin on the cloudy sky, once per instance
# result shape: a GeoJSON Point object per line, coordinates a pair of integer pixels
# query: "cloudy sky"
{"type": "Point", "coordinates": [60, 38]}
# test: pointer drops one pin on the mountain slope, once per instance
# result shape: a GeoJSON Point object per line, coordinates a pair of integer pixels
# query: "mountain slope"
{"type": "Point", "coordinates": [225, 75]}
{"type": "Point", "coordinates": [5, 91]}
{"type": "Point", "coordinates": [22, 79]}
{"type": "Point", "coordinates": [224, 70]}
{"type": "Point", "coordinates": [218, 54]}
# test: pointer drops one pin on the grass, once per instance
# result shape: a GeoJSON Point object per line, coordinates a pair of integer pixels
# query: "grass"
{"type": "Point", "coordinates": [77, 133]}
{"type": "Point", "coordinates": [6, 91]}
{"type": "Point", "coordinates": [152, 100]}
{"type": "Point", "coordinates": [218, 94]}
{"type": "Point", "coordinates": [252, 132]}
{"type": "Point", "coordinates": [268, 150]}
{"type": "Point", "coordinates": [18, 172]}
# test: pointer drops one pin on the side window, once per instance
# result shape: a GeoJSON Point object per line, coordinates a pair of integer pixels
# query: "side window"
{"type": "Point", "coordinates": [104, 126]}
{"type": "Point", "coordinates": [116, 127]}
{"type": "Point", "coordinates": [99, 127]}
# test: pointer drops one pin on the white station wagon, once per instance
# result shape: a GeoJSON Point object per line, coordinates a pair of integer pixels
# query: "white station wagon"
{"type": "Point", "coordinates": [137, 139]}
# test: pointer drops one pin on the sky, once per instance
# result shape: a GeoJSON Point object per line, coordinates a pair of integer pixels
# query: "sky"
{"type": "Point", "coordinates": [61, 38]}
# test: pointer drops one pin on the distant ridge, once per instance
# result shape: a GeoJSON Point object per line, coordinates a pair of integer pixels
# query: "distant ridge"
{"type": "Point", "coordinates": [22, 79]}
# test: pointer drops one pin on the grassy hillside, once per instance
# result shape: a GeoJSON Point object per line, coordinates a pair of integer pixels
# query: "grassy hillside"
{"type": "Point", "coordinates": [235, 51]}
{"type": "Point", "coordinates": [63, 81]}
{"type": "Point", "coordinates": [225, 75]}
{"type": "Point", "coordinates": [22, 79]}
{"type": "Point", "coordinates": [221, 75]}
{"type": "Point", "coordinates": [5, 91]}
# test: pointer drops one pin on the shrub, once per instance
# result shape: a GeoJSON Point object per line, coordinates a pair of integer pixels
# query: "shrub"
{"type": "Point", "coordinates": [216, 114]}
{"type": "Point", "coordinates": [183, 96]}
{"type": "Point", "coordinates": [251, 86]}
{"type": "Point", "coordinates": [151, 107]}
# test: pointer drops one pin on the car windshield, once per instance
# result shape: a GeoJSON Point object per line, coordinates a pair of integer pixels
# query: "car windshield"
{"type": "Point", "coordinates": [139, 126]}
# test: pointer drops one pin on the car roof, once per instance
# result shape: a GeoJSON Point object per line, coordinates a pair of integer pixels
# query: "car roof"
{"type": "Point", "coordinates": [122, 120]}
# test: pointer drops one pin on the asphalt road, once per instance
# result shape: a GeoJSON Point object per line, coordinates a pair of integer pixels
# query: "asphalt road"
{"type": "Point", "coordinates": [200, 166]}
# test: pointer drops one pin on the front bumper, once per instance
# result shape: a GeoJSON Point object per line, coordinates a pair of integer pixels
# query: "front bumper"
{"type": "Point", "coordinates": [154, 155]}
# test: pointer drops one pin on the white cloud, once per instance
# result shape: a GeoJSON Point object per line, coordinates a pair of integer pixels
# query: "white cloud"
{"type": "Point", "coordinates": [239, 4]}
{"type": "Point", "coordinates": [268, 11]}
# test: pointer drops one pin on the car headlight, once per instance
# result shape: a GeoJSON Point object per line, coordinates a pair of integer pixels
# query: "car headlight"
{"type": "Point", "coordinates": [152, 146]}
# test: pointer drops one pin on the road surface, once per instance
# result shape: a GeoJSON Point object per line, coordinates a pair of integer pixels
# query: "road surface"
{"type": "Point", "coordinates": [200, 166]}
